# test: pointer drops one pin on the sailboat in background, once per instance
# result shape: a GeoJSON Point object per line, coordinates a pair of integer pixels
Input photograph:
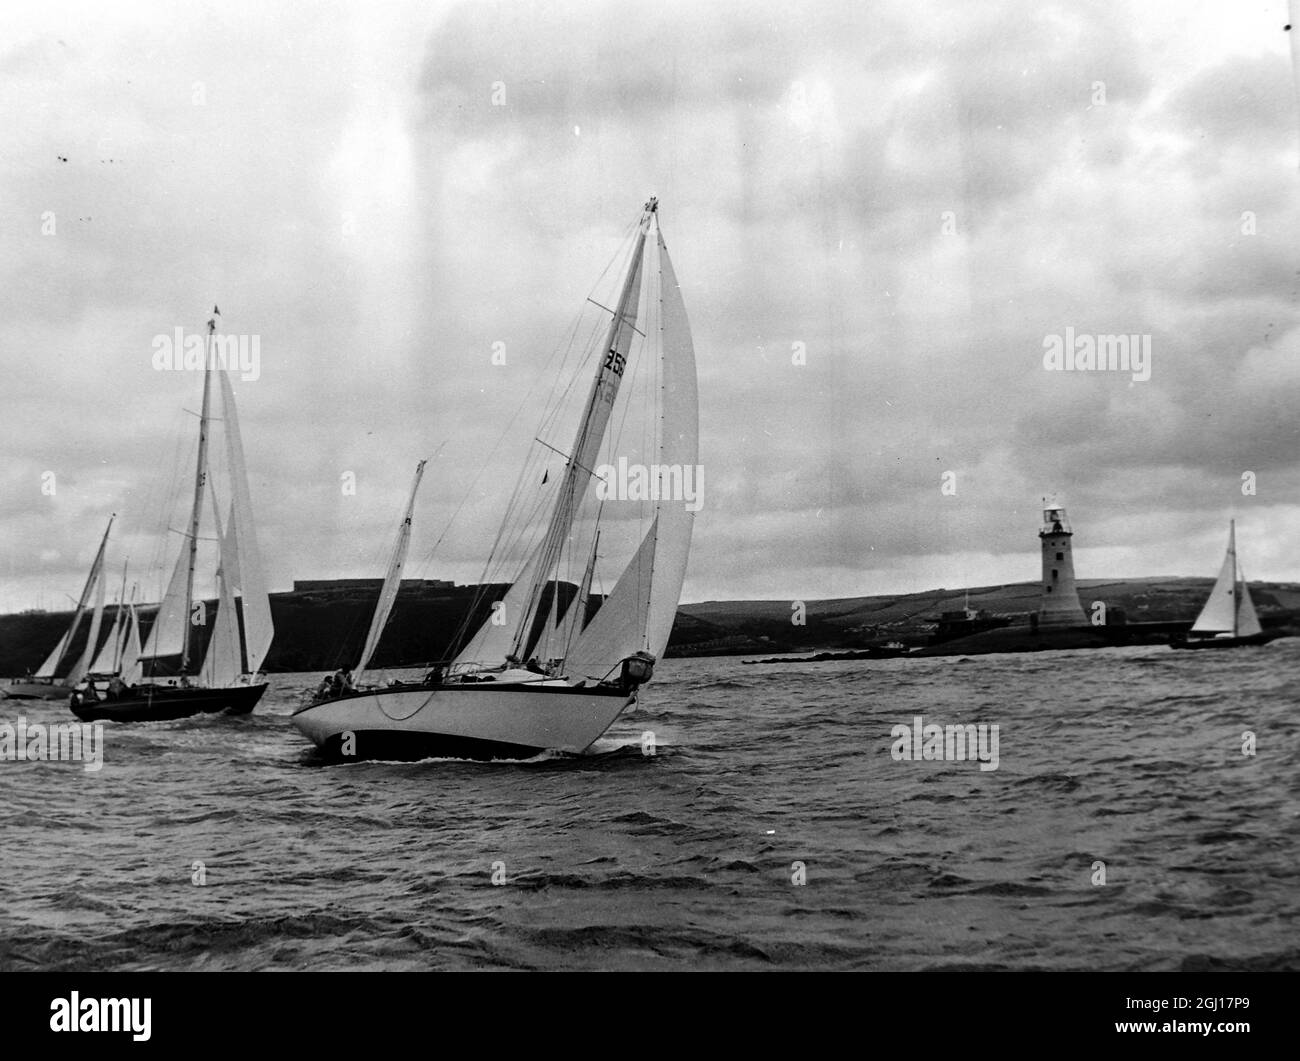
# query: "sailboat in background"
{"type": "Point", "coordinates": [44, 684]}
{"type": "Point", "coordinates": [1228, 619]}
{"type": "Point", "coordinates": [221, 675]}
{"type": "Point", "coordinates": [533, 677]}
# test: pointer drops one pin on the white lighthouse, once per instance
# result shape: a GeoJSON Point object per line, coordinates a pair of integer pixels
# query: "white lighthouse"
{"type": "Point", "coordinates": [1059, 605]}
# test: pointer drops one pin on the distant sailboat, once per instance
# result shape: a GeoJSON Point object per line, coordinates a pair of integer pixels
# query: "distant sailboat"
{"type": "Point", "coordinates": [224, 678]}
{"type": "Point", "coordinates": [1228, 619]}
{"type": "Point", "coordinates": [532, 678]}
{"type": "Point", "coordinates": [45, 684]}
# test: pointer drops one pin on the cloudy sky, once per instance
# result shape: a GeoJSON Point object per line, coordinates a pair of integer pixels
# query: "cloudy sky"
{"type": "Point", "coordinates": [915, 195]}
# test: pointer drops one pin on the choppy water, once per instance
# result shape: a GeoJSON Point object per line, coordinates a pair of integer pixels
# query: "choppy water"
{"type": "Point", "coordinates": [685, 859]}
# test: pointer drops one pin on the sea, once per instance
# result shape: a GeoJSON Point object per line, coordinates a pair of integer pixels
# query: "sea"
{"type": "Point", "coordinates": [1142, 813]}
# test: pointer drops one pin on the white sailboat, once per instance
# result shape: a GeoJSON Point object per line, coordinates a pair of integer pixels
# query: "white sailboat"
{"type": "Point", "coordinates": [222, 675]}
{"type": "Point", "coordinates": [1228, 618]}
{"type": "Point", "coordinates": [45, 683]}
{"type": "Point", "coordinates": [533, 677]}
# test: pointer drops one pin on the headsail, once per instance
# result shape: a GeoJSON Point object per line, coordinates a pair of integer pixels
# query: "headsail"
{"type": "Point", "coordinates": [1247, 620]}
{"type": "Point", "coordinates": [392, 581]}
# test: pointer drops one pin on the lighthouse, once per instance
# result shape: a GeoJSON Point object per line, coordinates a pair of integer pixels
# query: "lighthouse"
{"type": "Point", "coordinates": [1059, 605]}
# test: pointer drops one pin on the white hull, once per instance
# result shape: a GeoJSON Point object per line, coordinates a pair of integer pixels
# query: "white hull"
{"type": "Point", "coordinates": [478, 721]}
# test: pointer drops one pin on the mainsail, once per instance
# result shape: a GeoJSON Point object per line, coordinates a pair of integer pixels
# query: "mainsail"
{"type": "Point", "coordinates": [392, 581]}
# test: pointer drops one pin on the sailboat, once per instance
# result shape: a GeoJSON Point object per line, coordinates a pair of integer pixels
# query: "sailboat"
{"type": "Point", "coordinates": [534, 677]}
{"type": "Point", "coordinates": [220, 676]}
{"type": "Point", "coordinates": [1228, 619]}
{"type": "Point", "coordinates": [44, 685]}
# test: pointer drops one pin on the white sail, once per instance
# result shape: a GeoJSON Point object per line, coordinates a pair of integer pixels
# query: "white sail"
{"type": "Point", "coordinates": [51, 664]}
{"type": "Point", "coordinates": [679, 447]}
{"type": "Point", "coordinates": [639, 614]}
{"type": "Point", "coordinates": [1219, 615]}
{"type": "Point", "coordinates": [110, 654]}
{"type": "Point", "coordinates": [392, 581]}
{"type": "Point", "coordinates": [245, 571]}
{"type": "Point", "coordinates": [167, 634]}
{"type": "Point", "coordinates": [221, 663]}
{"type": "Point", "coordinates": [105, 659]}
{"type": "Point", "coordinates": [618, 629]}
{"type": "Point", "coordinates": [1247, 620]}
{"type": "Point", "coordinates": [82, 666]}
{"type": "Point", "coordinates": [132, 667]}
{"type": "Point", "coordinates": [55, 658]}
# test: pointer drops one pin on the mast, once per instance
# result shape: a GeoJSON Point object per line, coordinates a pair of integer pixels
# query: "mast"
{"type": "Point", "coordinates": [591, 431]}
{"type": "Point", "coordinates": [200, 478]}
